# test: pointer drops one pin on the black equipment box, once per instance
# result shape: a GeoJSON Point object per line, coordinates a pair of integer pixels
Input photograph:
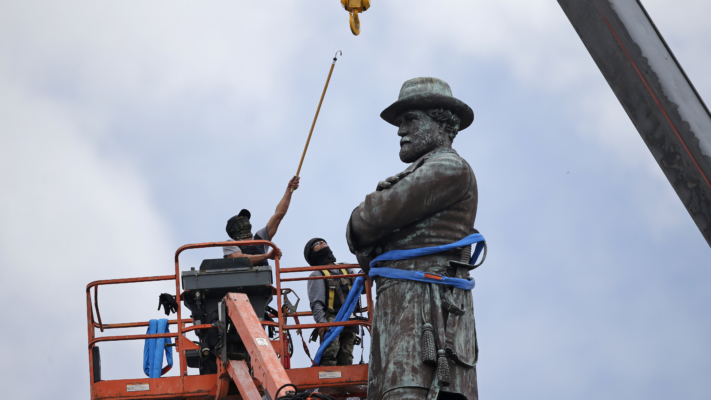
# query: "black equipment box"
{"type": "Point", "coordinates": [205, 289]}
{"type": "Point", "coordinates": [226, 273]}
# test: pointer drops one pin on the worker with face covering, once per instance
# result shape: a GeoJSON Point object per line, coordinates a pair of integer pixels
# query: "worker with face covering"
{"type": "Point", "coordinates": [325, 298]}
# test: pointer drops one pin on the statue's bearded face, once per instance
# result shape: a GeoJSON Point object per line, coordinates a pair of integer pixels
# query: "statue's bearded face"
{"type": "Point", "coordinates": [420, 134]}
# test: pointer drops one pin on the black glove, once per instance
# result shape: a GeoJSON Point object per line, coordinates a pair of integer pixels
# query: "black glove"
{"type": "Point", "coordinates": [314, 336]}
{"type": "Point", "coordinates": [168, 302]}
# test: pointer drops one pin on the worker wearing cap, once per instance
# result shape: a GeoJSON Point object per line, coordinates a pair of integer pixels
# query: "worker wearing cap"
{"type": "Point", "coordinates": [326, 296]}
{"type": "Point", "coordinates": [239, 228]}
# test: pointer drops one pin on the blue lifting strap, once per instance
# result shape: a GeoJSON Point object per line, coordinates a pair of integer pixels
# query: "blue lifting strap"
{"type": "Point", "coordinates": [394, 255]}
{"type": "Point", "coordinates": [421, 276]}
{"type": "Point", "coordinates": [154, 348]}
{"type": "Point", "coordinates": [343, 315]}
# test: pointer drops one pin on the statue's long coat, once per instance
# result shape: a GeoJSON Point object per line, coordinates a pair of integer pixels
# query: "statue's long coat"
{"type": "Point", "coordinates": [433, 202]}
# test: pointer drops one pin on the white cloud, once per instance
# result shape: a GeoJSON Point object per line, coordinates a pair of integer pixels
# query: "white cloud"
{"type": "Point", "coordinates": [69, 216]}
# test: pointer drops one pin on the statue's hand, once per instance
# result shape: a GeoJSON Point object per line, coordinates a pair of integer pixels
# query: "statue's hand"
{"type": "Point", "coordinates": [364, 256]}
{"type": "Point", "coordinates": [382, 185]}
{"type": "Point", "coordinates": [387, 183]}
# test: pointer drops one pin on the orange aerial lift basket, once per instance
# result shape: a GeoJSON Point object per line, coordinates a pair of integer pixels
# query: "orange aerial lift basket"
{"type": "Point", "coordinates": [263, 372]}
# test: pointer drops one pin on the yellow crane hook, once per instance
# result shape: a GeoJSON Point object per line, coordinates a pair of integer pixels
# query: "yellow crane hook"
{"type": "Point", "coordinates": [354, 7]}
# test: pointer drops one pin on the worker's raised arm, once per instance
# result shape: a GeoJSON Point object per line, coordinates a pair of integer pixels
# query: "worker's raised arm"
{"type": "Point", "coordinates": [282, 207]}
{"type": "Point", "coordinates": [256, 258]}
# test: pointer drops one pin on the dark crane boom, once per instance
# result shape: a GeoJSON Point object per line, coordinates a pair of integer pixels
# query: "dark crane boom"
{"type": "Point", "coordinates": [655, 92]}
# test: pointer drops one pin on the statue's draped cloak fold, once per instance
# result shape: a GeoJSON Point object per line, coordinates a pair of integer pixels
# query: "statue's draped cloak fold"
{"type": "Point", "coordinates": [433, 202]}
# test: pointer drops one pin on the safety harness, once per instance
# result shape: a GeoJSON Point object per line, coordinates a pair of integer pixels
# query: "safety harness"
{"type": "Point", "coordinates": [348, 307]}
{"type": "Point", "coordinates": [333, 287]}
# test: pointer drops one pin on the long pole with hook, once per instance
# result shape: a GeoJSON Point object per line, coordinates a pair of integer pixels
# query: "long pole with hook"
{"type": "Point", "coordinates": [308, 140]}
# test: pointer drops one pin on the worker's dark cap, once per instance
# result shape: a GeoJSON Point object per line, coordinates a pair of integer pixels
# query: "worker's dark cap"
{"type": "Point", "coordinates": [426, 94]}
{"type": "Point", "coordinates": [309, 248]}
{"type": "Point", "coordinates": [244, 213]}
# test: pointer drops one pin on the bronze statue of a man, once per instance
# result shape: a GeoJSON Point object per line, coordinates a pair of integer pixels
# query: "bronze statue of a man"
{"type": "Point", "coordinates": [423, 339]}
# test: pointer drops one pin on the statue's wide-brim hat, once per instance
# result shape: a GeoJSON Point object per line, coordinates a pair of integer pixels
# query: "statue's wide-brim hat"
{"type": "Point", "coordinates": [425, 94]}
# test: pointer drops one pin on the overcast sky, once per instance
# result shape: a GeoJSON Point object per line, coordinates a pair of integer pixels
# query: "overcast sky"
{"type": "Point", "coordinates": [130, 128]}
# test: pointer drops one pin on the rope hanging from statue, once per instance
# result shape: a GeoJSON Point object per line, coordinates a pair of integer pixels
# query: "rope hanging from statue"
{"type": "Point", "coordinates": [318, 109]}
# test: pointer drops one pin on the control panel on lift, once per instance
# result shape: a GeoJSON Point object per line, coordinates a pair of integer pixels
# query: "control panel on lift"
{"type": "Point", "coordinates": [205, 289]}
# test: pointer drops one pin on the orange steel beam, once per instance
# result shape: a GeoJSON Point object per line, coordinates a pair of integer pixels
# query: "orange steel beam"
{"type": "Point", "coordinates": [316, 268]}
{"type": "Point", "coordinates": [130, 280]}
{"type": "Point", "coordinates": [152, 336]}
{"type": "Point", "coordinates": [223, 382]}
{"type": "Point", "coordinates": [90, 312]}
{"type": "Point", "coordinates": [186, 344]}
{"type": "Point", "coordinates": [171, 387]}
{"type": "Point", "coordinates": [196, 327]}
{"type": "Point", "coordinates": [326, 324]}
{"type": "Point", "coordinates": [239, 372]}
{"type": "Point", "coordinates": [265, 364]}
{"type": "Point", "coordinates": [131, 337]}
{"type": "Point", "coordinates": [96, 306]}
{"type": "Point", "coordinates": [203, 386]}
{"type": "Point", "coordinates": [96, 285]}
{"type": "Point", "coordinates": [312, 278]}
{"type": "Point", "coordinates": [303, 314]}
{"type": "Point", "coordinates": [138, 324]}
{"type": "Point", "coordinates": [91, 335]}
{"type": "Point", "coordinates": [318, 377]}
